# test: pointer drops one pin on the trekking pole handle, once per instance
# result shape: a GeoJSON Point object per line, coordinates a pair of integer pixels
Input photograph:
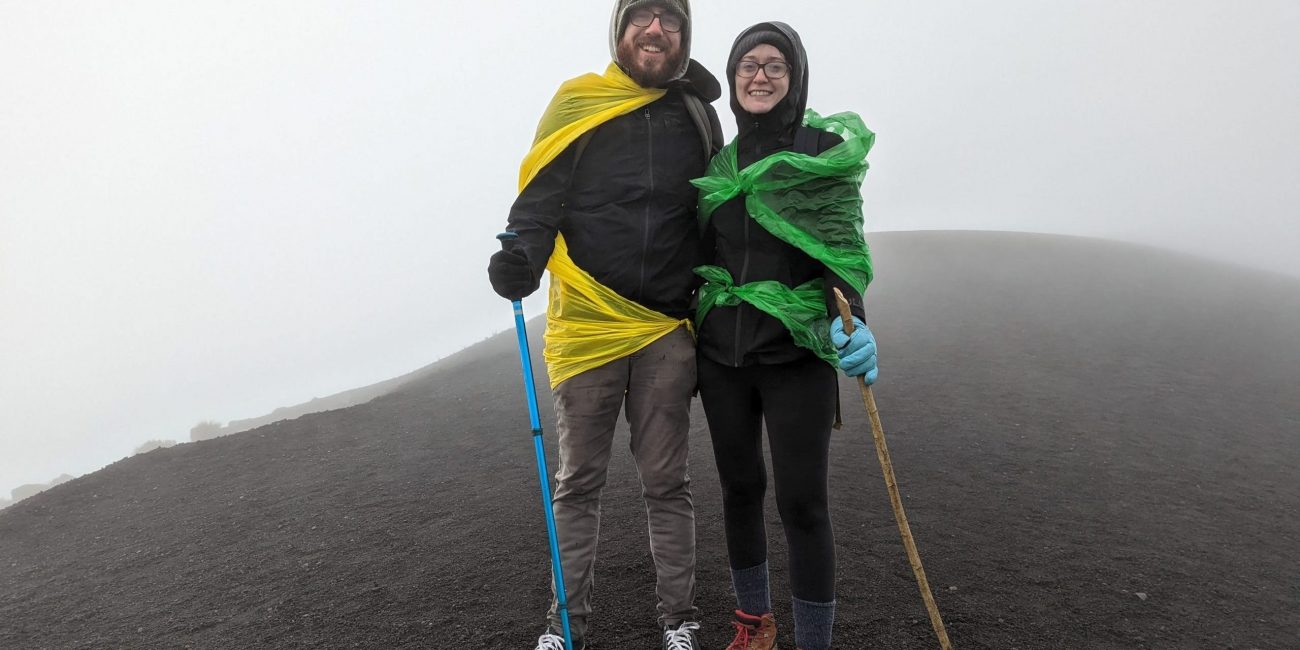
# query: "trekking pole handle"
{"type": "Point", "coordinates": [507, 237]}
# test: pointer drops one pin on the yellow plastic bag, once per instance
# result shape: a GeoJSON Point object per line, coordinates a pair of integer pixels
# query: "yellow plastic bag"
{"type": "Point", "coordinates": [588, 324]}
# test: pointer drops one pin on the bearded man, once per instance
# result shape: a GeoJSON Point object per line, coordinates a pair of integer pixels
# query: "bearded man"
{"type": "Point", "coordinates": [606, 206]}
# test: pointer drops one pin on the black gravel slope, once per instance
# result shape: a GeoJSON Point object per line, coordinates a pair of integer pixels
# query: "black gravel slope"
{"type": "Point", "coordinates": [1096, 443]}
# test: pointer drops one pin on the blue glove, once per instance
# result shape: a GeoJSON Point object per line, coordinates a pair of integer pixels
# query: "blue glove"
{"type": "Point", "coordinates": [857, 351]}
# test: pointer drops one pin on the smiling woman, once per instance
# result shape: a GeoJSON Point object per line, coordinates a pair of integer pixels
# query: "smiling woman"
{"type": "Point", "coordinates": [780, 211]}
{"type": "Point", "coordinates": [761, 81]}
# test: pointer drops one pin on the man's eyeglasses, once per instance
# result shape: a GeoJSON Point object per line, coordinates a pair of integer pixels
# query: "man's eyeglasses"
{"type": "Point", "coordinates": [773, 69]}
{"type": "Point", "coordinates": [669, 22]}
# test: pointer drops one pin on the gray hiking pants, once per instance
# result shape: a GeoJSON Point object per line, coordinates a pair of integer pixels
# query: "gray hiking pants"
{"type": "Point", "coordinates": [654, 387]}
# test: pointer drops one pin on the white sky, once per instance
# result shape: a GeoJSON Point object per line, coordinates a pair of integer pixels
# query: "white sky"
{"type": "Point", "coordinates": [211, 209]}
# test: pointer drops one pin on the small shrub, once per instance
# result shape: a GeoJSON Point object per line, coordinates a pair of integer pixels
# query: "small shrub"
{"type": "Point", "coordinates": [205, 430]}
{"type": "Point", "coordinates": [154, 444]}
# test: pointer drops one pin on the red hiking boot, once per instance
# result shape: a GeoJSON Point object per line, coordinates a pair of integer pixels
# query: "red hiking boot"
{"type": "Point", "coordinates": [753, 632]}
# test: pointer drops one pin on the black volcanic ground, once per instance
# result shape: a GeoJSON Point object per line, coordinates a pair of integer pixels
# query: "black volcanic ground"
{"type": "Point", "coordinates": [1097, 445]}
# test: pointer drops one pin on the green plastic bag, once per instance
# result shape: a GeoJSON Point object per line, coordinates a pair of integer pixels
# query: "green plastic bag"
{"type": "Point", "coordinates": [813, 203]}
{"type": "Point", "coordinates": [802, 309]}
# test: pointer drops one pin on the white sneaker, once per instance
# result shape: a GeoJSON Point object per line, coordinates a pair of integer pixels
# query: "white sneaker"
{"type": "Point", "coordinates": [682, 638]}
{"type": "Point", "coordinates": [550, 641]}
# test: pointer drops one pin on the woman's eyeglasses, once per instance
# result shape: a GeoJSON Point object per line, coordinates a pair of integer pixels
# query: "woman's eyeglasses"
{"type": "Point", "coordinates": [669, 22]}
{"type": "Point", "coordinates": [772, 69]}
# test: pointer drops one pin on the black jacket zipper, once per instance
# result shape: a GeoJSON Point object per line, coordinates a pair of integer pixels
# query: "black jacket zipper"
{"type": "Point", "coordinates": [645, 226]}
{"type": "Point", "coordinates": [744, 265]}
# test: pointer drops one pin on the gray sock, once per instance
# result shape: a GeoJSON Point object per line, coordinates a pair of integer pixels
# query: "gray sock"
{"type": "Point", "coordinates": [812, 624]}
{"type": "Point", "coordinates": [752, 596]}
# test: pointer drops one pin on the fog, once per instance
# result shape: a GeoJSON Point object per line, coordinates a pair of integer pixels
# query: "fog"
{"type": "Point", "coordinates": [212, 209]}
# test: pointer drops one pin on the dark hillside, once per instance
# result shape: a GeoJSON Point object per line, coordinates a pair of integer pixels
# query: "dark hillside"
{"type": "Point", "coordinates": [1096, 444]}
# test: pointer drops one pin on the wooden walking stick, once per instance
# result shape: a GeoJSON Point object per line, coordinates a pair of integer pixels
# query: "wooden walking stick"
{"type": "Point", "coordinates": [887, 466]}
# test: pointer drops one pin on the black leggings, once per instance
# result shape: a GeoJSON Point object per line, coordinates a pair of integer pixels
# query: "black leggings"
{"type": "Point", "coordinates": [797, 402]}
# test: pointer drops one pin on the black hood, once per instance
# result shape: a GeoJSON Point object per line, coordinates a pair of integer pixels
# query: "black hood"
{"type": "Point", "coordinates": [700, 81]}
{"type": "Point", "coordinates": [788, 115]}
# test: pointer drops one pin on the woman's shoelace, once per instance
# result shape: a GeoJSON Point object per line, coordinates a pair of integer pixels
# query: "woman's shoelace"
{"type": "Point", "coordinates": [743, 633]}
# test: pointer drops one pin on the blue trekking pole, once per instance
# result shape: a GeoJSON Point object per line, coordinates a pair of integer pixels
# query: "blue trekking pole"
{"type": "Point", "coordinates": [525, 360]}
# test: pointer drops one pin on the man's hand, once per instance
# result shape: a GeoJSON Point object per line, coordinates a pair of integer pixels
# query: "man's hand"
{"type": "Point", "coordinates": [857, 351]}
{"type": "Point", "coordinates": [511, 274]}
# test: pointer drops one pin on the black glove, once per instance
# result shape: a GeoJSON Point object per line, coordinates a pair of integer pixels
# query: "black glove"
{"type": "Point", "coordinates": [511, 274]}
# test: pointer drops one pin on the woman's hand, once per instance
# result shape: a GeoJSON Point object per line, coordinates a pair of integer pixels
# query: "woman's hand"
{"type": "Point", "coordinates": [857, 351]}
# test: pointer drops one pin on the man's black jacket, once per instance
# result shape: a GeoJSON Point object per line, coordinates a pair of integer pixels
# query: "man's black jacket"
{"type": "Point", "coordinates": [627, 209]}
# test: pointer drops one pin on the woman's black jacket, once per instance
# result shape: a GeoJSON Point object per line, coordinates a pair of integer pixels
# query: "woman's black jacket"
{"type": "Point", "coordinates": [744, 335]}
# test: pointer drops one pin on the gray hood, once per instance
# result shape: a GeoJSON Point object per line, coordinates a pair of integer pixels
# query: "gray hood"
{"type": "Point", "coordinates": [618, 22]}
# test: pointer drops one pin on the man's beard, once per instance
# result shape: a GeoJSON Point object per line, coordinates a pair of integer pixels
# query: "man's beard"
{"type": "Point", "coordinates": [656, 76]}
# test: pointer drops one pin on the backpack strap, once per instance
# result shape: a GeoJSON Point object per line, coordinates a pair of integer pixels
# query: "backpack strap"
{"type": "Point", "coordinates": [805, 140]}
{"type": "Point", "coordinates": [710, 130]}
{"type": "Point", "coordinates": [579, 146]}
